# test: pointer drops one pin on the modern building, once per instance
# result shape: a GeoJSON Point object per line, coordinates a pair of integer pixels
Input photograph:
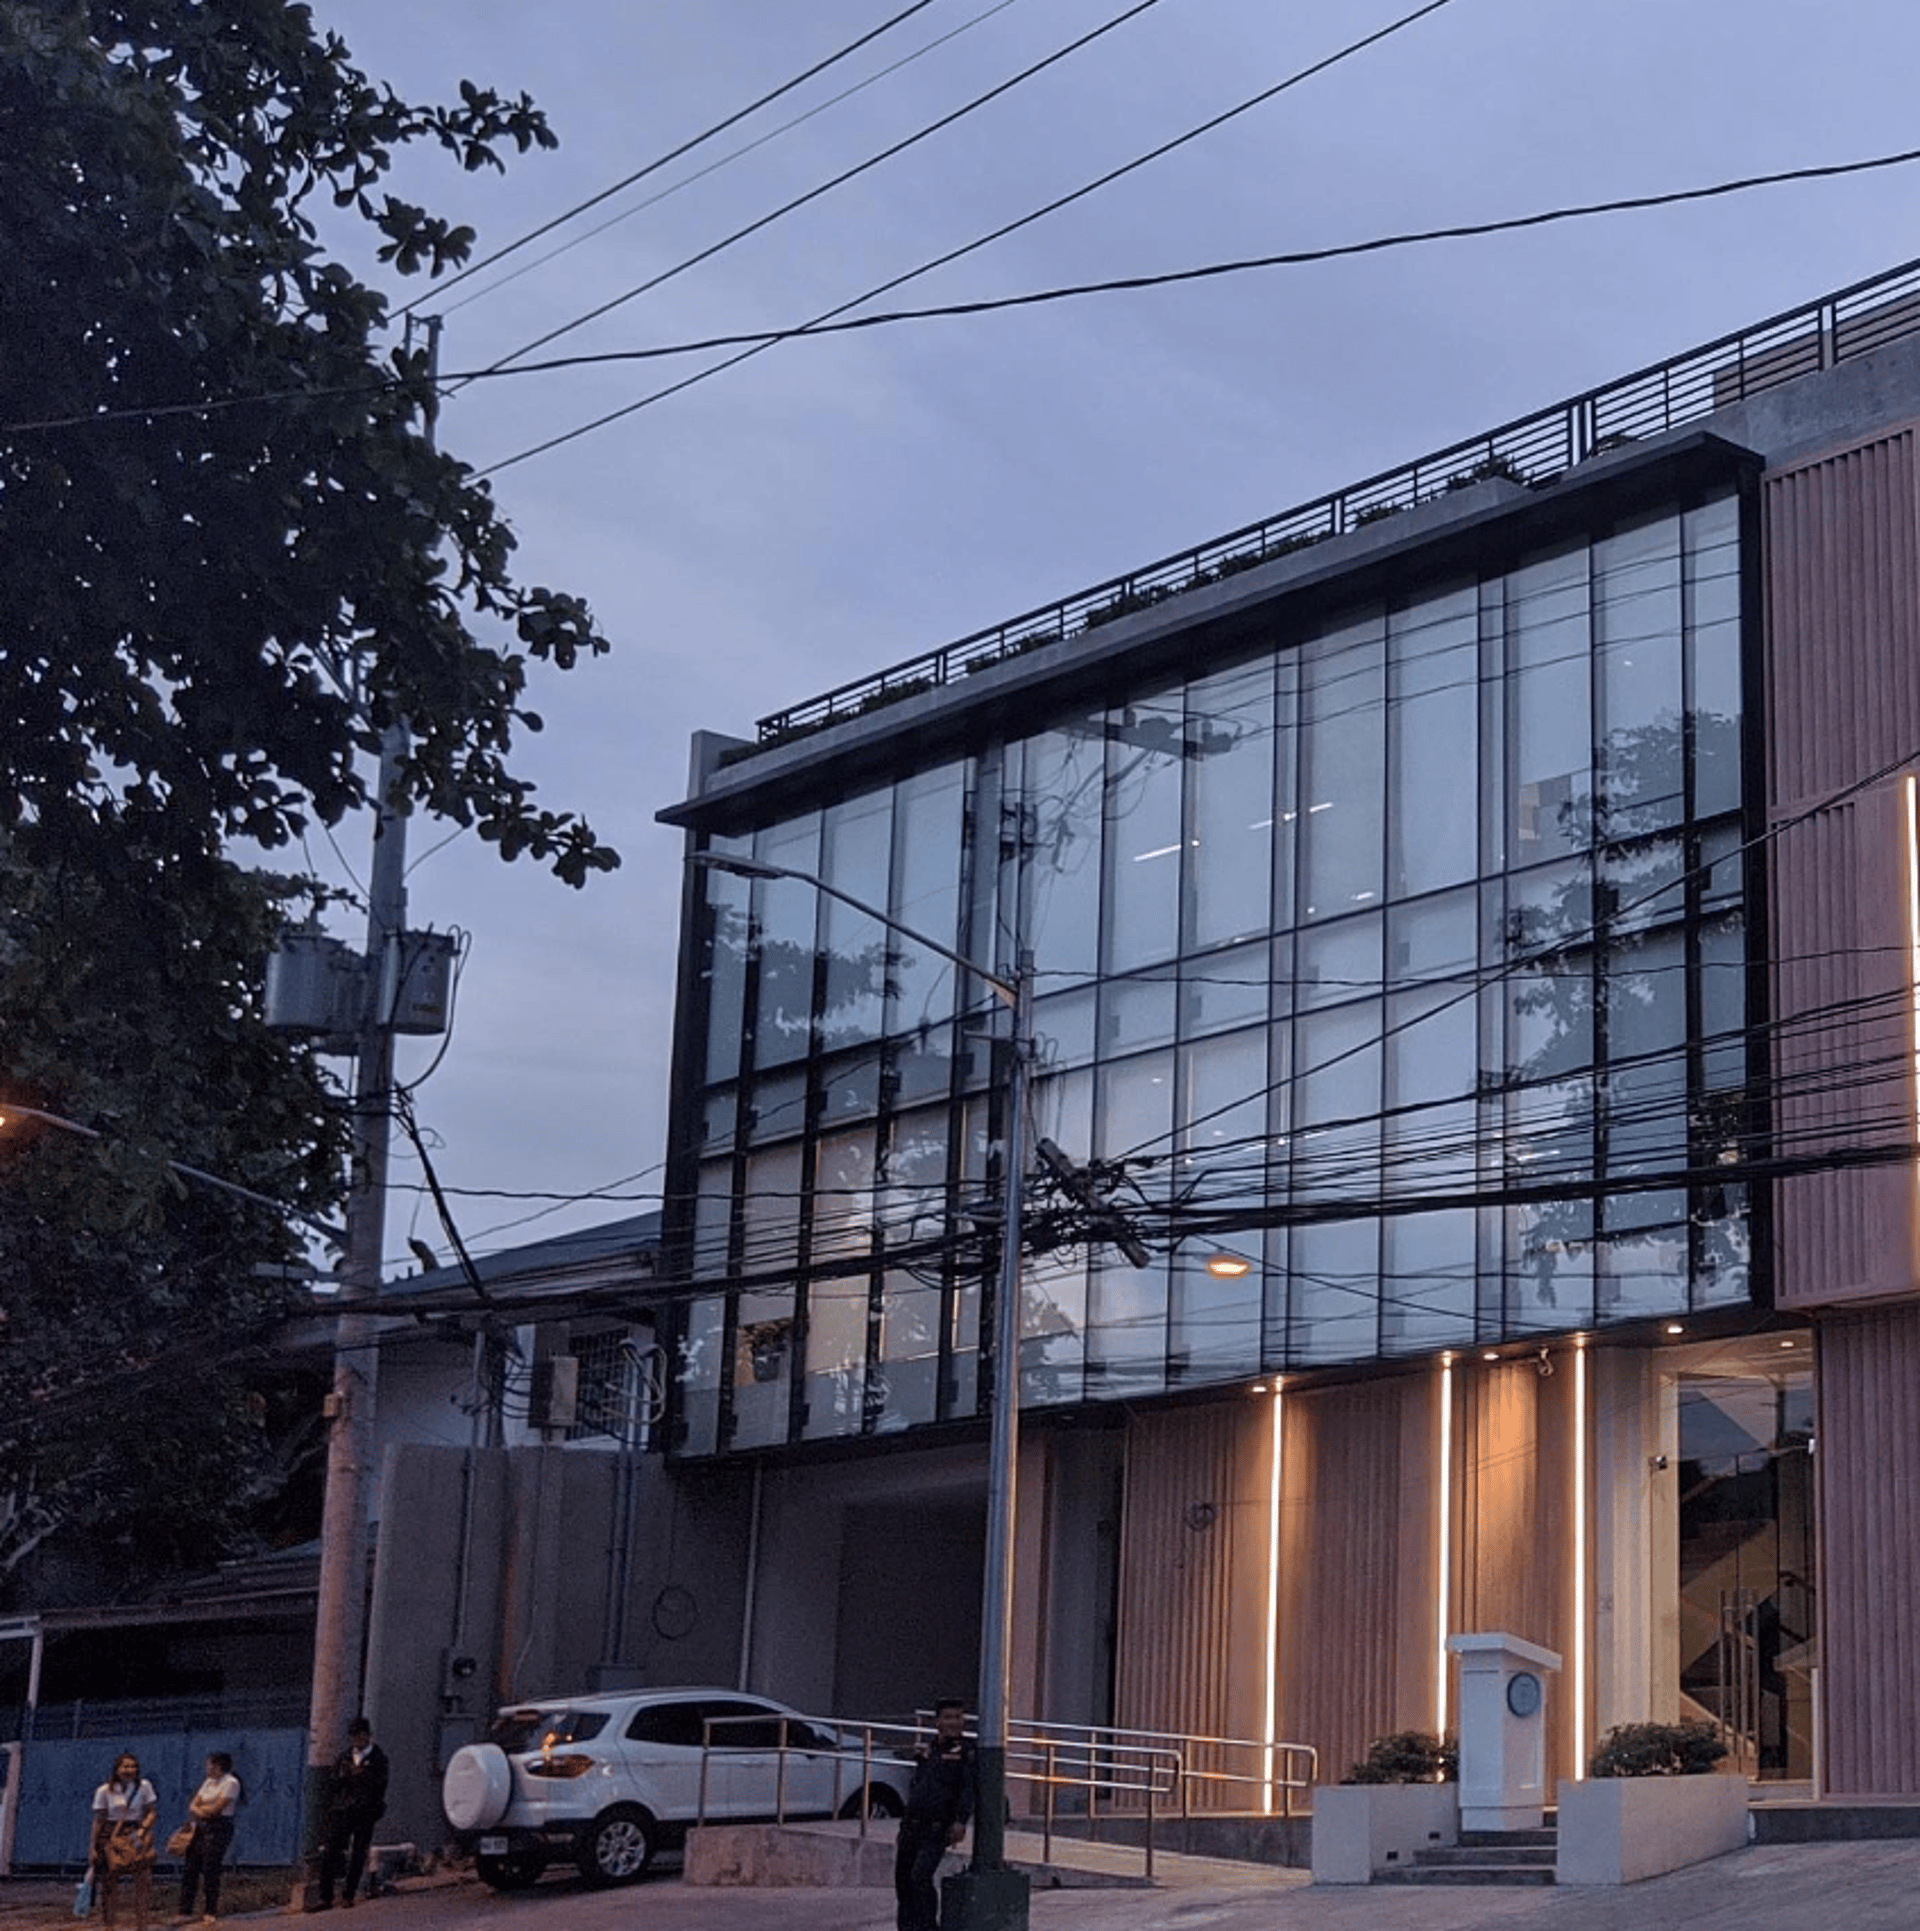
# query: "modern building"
{"type": "Point", "coordinates": [1476, 918]}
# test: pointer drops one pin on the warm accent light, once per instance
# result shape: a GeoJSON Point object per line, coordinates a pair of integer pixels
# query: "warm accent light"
{"type": "Point", "coordinates": [1492, 1354]}
{"type": "Point", "coordinates": [1674, 1327]}
{"type": "Point", "coordinates": [1443, 1589]}
{"type": "Point", "coordinates": [1913, 934]}
{"type": "Point", "coordinates": [1228, 1267]}
{"type": "Point", "coordinates": [1272, 1731]}
{"type": "Point", "coordinates": [1579, 1562]}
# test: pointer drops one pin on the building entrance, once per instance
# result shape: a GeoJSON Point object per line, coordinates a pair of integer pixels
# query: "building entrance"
{"type": "Point", "coordinates": [1746, 1557]}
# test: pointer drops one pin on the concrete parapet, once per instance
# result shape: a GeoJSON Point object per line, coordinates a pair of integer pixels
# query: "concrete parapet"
{"type": "Point", "coordinates": [1617, 1830]}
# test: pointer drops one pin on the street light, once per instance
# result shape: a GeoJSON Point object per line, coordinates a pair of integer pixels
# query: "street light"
{"type": "Point", "coordinates": [990, 1897]}
{"type": "Point", "coordinates": [9, 1109]}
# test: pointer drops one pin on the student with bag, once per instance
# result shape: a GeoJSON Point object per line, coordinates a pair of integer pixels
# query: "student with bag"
{"type": "Point", "coordinates": [124, 1808]}
{"type": "Point", "coordinates": [205, 1837]}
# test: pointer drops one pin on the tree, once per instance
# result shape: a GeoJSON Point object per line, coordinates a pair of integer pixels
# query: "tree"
{"type": "Point", "coordinates": [229, 559]}
{"type": "Point", "coordinates": [215, 606]}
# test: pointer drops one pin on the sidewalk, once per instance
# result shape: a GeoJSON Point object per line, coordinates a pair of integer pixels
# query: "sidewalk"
{"type": "Point", "coordinates": [1855, 1886]}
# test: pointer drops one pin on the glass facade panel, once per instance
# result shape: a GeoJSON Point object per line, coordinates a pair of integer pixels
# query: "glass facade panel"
{"type": "Point", "coordinates": [1215, 1329]}
{"type": "Point", "coordinates": [1145, 763]}
{"type": "Point", "coordinates": [1637, 639]}
{"type": "Point", "coordinates": [908, 1388]}
{"type": "Point", "coordinates": [785, 920]}
{"type": "Point", "coordinates": [1225, 989]}
{"type": "Point", "coordinates": [929, 827]}
{"type": "Point", "coordinates": [1550, 706]}
{"type": "Point", "coordinates": [1230, 806]}
{"type": "Point", "coordinates": [1711, 543]}
{"type": "Point", "coordinates": [1341, 825]}
{"type": "Point", "coordinates": [726, 924]}
{"type": "Point", "coordinates": [1436, 897]}
{"type": "Point", "coordinates": [1060, 796]}
{"type": "Point", "coordinates": [856, 854]}
{"type": "Point", "coordinates": [836, 1357]}
{"type": "Point", "coordinates": [1433, 728]}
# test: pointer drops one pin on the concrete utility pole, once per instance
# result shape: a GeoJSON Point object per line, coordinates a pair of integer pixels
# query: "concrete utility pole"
{"type": "Point", "coordinates": [339, 1635]}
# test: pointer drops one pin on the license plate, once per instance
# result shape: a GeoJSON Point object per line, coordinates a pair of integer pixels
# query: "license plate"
{"type": "Point", "coordinates": [493, 1847]}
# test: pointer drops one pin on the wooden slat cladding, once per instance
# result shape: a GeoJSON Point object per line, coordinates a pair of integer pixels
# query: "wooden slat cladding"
{"type": "Point", "coordinates": [1358, 1538]}
{"type": "Point", "coordinates": [1193, 1570]}
{"type": "Point", "coordinates": [1842, 539]}
{"type": "Point", "coordinates": [1514, 1481]}
{"type": "Point", "coordinates": [1868, 1378]}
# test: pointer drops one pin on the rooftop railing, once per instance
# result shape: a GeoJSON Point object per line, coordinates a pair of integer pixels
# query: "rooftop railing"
{"type": "Point", "coordinates": [1531, 450]}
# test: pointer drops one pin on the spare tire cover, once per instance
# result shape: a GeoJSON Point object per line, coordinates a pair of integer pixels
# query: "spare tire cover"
{"type": "Point", "coordinates": [478, 1786]}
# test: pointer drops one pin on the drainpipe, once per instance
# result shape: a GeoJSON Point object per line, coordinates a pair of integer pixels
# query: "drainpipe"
{"type": "Point", "coordinates": [753, 1579]}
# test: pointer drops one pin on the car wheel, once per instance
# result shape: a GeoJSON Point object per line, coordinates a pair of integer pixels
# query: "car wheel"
{"type": "Point", "coordinates": [618, 1846]}
{"type": "Point", "coordinates": [517, 1873]}
{"type": "Point", "coordinates": [882, 1801]}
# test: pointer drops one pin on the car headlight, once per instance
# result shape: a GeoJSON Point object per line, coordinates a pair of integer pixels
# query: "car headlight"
{"type": "Point", "coordinates": [573, 1765]}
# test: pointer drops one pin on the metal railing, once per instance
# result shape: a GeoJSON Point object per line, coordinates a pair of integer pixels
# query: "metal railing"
{"type": "Point", "coordinates": [1100, 1769]}
{"type": "Point", "coordinates": [1530, 450]}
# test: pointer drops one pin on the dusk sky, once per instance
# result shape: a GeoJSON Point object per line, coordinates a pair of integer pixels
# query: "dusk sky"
{"type": "Point", "coordinates": [834, 505]}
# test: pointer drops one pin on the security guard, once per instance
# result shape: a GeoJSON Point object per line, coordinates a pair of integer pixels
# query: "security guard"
{"type": "Point", "coordinates": [940, 1800]}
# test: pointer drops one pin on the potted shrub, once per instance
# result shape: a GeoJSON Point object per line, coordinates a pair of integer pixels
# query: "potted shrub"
{"type": "Point", "coordinates": [1651, 1803]}
{"type": "Point", "coordinates": [1401, 1797]}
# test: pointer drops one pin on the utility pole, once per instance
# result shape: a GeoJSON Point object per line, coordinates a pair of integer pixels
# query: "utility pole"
{"type": "Point", "coordinates": [339, 1635]}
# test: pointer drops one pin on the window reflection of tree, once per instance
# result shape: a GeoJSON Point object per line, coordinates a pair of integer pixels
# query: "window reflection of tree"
{"type": "Point", "coordinates": [1617, 972]}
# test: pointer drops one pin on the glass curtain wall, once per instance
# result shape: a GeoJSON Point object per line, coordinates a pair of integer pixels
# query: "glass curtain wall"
{"type": "Point", "coordinates": [1380, 947]}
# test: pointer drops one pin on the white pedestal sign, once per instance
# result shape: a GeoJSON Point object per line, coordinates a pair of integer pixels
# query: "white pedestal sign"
{"type": "Point", "coordinates": [1503, 1730]}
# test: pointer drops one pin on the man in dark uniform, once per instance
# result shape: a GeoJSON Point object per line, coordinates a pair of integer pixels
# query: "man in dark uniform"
{"type": "Point", "coordinates": [940, 1800]}
{"type": "Point", "coordinates": [356, 1802]}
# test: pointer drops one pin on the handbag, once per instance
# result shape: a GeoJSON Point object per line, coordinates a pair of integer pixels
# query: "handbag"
{"type": "Point", "coordinates": [129, 1848]}
{"type": "Point", "coordinates": [182, 1839]}
{"type": "Point", "coordinates": [83, 1896]}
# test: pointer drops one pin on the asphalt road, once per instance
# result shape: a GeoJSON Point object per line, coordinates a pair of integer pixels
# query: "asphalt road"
{"type": "Point", "coordinates": [1818, 1887]}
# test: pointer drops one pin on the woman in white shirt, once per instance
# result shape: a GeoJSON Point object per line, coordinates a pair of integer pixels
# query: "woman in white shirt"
{"type": "Point", "coordinates": [123, 1814]}
{"type": "Point", "coordinates": [212, 1811]}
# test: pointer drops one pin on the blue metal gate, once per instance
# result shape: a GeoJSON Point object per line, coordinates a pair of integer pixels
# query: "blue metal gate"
{"type": "Point", "coordinates": [70, 1751]}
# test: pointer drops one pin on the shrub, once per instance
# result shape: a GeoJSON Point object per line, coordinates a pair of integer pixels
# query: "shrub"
{"type": "Point", "coordinates": [1408, 1756]}
{"type": "Point", "coordinates": [1658, 1750]}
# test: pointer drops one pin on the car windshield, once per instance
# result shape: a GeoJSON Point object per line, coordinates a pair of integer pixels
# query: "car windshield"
{"type": "Point", "coordinates": [537, 1729]}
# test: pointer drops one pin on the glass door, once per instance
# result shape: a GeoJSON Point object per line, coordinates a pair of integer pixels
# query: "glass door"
{"type": "Point", "coordinates": [1745, 1507]}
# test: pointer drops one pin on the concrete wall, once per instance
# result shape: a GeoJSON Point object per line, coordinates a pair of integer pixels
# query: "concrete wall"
{"type": "Point", "coordinates": [525, 1591]}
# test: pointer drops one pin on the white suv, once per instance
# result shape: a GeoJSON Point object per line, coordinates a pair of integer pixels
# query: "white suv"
{"type": "Point", "coordinates": [605, 1781]}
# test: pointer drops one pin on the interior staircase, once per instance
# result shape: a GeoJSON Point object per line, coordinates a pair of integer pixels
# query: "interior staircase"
{"type": "Point", "coordinates": [1481, 1857]}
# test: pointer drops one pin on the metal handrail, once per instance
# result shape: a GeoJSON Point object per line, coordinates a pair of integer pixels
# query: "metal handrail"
{"type": "Point", "coordinates": [1276, 1759]}
{"type": "Point", "coordinates": [1154, 1770]}
{"type": "Point", "coordinates": [1531, 449]}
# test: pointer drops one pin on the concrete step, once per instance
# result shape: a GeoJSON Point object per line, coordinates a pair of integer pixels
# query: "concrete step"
{"type": "Point", "coordinates": [1472, 1857]}
{"type": "Point", "coordinates": [1489, 1872]}
{"type": "Point", "coordinates": [1496, 1840]}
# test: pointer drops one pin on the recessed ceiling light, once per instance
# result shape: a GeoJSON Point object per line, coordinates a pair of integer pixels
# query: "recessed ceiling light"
{"type": "Point", "coordinates": [1674, 1327]}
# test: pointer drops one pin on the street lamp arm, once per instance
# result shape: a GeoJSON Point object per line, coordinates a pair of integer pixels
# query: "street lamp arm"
{"type": "Point", "coordinates": [333, 1233]}
{"type": "Point", "coordinates": [759, 868]}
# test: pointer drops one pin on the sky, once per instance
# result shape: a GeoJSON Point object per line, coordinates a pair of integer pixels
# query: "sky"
{"type": "Point", "coordinates": [835, 505]}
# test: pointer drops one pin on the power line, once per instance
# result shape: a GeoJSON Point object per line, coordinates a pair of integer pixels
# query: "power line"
{"type": "Point", "coordinates": [839, 180]}
{"type": "Point", "coordinates": [726, 160]}
{"type": "Point", "coordinates": [997, 234]}
{"type": "Point", "coordinates": [823, 326]}
{"type": "Point", "coordinates": [673, 154]}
